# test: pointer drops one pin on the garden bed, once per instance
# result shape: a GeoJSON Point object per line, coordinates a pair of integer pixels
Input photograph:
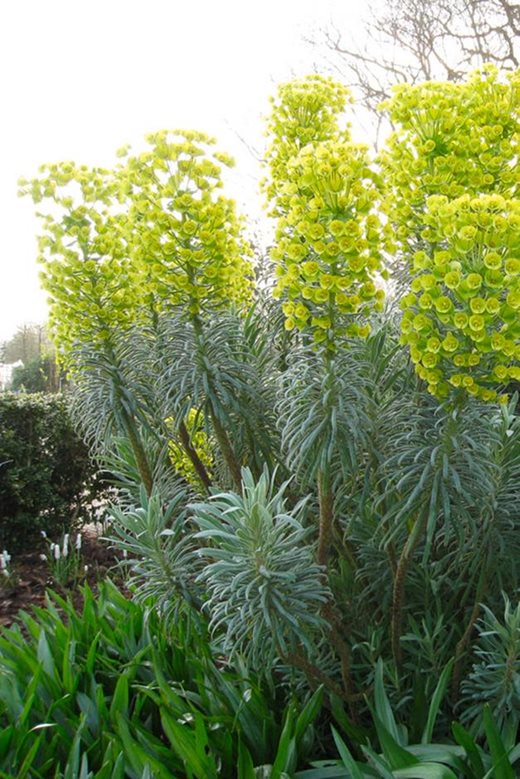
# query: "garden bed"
{"type": "Point", "coordinates": [32, 576]}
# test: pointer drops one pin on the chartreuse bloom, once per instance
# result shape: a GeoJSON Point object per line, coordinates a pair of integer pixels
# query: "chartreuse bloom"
{"type": "Point", "coordinates": [152, 233]}
{"type": "Point", "coordinates": [185, 237]}
{"type": "Point", "coordinates": [304, 111]}
{"type": "Point", "coordinates": [86, 269]}
{"type": "Point", "coordinates": [462, 318]}
{"type": "Point", "coordinates": [328, 237]}
{"type": "Point", "coordinates": [450, 139]}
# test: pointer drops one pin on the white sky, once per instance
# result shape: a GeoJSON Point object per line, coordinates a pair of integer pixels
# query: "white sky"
{"type": "Point", "coordinates": [80, 78]}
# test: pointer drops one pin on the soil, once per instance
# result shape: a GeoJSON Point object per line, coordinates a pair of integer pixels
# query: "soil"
{"type": "Point", "coordinates": [31, 577]}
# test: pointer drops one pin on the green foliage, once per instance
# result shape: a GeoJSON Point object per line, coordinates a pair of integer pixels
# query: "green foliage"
{"type": "Point", "coordinates": [160, 553]}
{"type": "Point", "coordinates": [181, 462]}
{"type": "Point", "coordinates": [47, 476]}
{"type": "Point", "coordinates": [495, 678]}
{"type": "Point", "coordinates": [36, 376]}
{"type": "Point", "coordinates": [107, 692]}
{"type": "Point", "coordinates": [264, 589]}
{"type": "Point", "coordinates": [323, 412]}
{"type": "Point", "coordinates": [388, 752]}
{"type": "Point", "coordinates": [349, 516]}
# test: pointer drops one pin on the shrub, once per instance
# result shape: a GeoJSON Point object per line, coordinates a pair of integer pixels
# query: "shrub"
{"type": "Point", "coordinates": [403, 448]}
{"type": "Point", "coordinates": [46, 475]}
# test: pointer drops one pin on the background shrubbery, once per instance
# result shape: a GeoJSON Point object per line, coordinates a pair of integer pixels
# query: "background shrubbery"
{"type": "Point", "coordinates": [46, 475]}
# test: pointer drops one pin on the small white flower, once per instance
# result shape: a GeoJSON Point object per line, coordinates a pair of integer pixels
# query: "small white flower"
{"type": "Point", "coordinates": [65, 545]}
{"type": "Point", "coordinates": [56, 551]}
{"type": "Point", "coordinates": [44, 534]}
{"type": "Point", "coordinates": [85, 568]}
{"type": "Point", "coordinates": [78, 542]}
{"type": "Point", "coordinates": [5, 572]}
{"type": "Point", "coordinates": [43, 557]}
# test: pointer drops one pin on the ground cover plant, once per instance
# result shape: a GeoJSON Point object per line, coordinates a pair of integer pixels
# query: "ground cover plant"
{"type": "Point", "coordinates": [322, 474]}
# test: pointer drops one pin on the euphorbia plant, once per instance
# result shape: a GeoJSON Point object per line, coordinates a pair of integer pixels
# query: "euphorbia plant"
{"type": "Point", "coordinates": [452, 197]}
{"type": "Point", "coordinates": [328, 254]}
{"type": "Point", "coordinates": [188, 254]}
{"type": "Point", "coordinates": [405, 496]}
{"type": "Point", "coordinates": [152, 235]}
{"type": "Point", "coordinates": [328, 242]}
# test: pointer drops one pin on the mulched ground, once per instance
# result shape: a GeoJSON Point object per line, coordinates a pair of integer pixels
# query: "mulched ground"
{"type": "Point", "coordinates": [33, 577]}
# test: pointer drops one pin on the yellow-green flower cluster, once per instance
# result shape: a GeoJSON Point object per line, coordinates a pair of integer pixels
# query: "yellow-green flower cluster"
{"type": "Point", "coordinates": [461, 318]}
{"type": "Point", "coordinates": [328, 250]}
{"type": "Point", "coordinates": [450, 139]}
{"type": "Point", "coordinates": [304, 111]}
{"type": "Point", "coordinates": [186, 239]}
{"type": "Point", "coordinates": [86, 270]}
{"type": "Point", "coordinates": [152, 233]}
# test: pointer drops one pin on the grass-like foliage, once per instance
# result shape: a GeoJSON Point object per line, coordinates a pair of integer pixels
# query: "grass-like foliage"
{"type": "Point", "coordinates": [108, 692]}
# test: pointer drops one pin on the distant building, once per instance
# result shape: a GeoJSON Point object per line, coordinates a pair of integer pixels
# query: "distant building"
{"type": "Point", "coordinates": [6, 373]}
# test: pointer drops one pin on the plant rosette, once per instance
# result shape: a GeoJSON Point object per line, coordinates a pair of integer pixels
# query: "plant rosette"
{"type": "Point", "coordinates": [461, 318]}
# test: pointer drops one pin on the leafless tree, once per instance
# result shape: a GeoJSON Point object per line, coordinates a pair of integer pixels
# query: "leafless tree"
{"type": "Point", "coordinates": [417, 40]}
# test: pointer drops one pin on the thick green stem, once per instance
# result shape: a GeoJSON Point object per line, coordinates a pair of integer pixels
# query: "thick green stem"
{"type": "Point", "coordinates": [326, 503]}
{"type": "Point", "coordinates": [464, 641]}
{"type": "Point", "coordinates": [227, 450]}
{"type": "Point", "coordinates": [343, 650]}
{"type": "Point", "coordinates": [194, 457]}
{"type": "Point", "coordinates": [220, 431]}
{"type": "Point", "coordinates": [399, 582]}
{"type": "Point", "coordinates": [314, 675]}
{"type": "Point", "coordinates": [129, 423]}
{"type": "Point", "coordinates": [141, 459]}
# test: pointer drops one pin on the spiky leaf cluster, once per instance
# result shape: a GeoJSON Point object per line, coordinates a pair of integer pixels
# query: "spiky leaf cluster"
{"type": "Point", "coordinates": [461, 317]}
{"type": "Point", "coordinates": [160, 552]}
{"type": "Point", "coordinates": [265, 590]}
{"type": "Point", "coordinates": [323, 409]}
{"type": "Point", "coordinates": [495, 678]}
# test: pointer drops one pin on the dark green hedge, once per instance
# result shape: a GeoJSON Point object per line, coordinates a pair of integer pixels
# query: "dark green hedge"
{"type": "Point", "coordinates": [46, 475]}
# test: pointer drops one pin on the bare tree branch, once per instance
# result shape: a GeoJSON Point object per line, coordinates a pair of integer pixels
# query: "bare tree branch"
{"type": "Point", "coordinates": [417, 40]}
